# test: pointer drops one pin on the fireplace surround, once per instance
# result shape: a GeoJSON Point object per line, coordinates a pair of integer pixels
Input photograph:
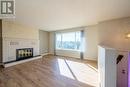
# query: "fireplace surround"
{"type": "Point", "coordinates": [24, 53]}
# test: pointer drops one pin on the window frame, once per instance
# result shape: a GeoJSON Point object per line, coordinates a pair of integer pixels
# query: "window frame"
{"type": "Point", "coordinates": [61, 48]}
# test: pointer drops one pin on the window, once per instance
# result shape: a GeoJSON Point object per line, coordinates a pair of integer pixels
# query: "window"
{"type": "Point", "coordinates": [69, 40]}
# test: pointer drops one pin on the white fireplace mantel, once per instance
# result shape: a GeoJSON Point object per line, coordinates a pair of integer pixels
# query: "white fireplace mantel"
{"type": "Point", "coordinates": [11, 44]}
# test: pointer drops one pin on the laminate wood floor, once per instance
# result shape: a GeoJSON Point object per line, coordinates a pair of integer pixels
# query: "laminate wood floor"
{"type": "Point", "coordinates": [51, 71]}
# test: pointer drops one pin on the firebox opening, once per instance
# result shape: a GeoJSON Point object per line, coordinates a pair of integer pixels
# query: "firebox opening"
{"type": "Point", "coordinates": [24, 53]}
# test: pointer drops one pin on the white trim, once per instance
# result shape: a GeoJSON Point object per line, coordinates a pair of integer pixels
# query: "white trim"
{"type": "Point", "coordinates": [44, 54]}
{"type": "Point", "coordinates": [22, 61]}
{"type": "Point", "coordinates": [68, 49]}
{"type": "Point", "coordinates": [50, 53]}
{"type": "Point", "coordinates": [91, 59]}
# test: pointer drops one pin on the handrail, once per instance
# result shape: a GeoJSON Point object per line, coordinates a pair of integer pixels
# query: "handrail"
{"type": "Point", "coordinates": [119, 58]}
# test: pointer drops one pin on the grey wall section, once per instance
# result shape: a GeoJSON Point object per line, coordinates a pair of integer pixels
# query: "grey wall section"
{"type": "Point", "coordinates": [44, 41]}
{"type": "Point", "coordinates": [0, 40]}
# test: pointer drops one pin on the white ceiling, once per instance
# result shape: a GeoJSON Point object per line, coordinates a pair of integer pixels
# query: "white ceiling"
{"type": "Point", "coordinates": [53, 15]}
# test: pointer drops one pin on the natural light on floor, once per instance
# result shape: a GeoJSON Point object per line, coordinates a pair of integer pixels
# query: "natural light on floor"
{"type": "Point", "coordinates": [78, 71]}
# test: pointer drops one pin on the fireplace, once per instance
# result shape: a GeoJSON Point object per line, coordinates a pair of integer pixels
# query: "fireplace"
{"type": "Point", "coordinates": [24, 53]}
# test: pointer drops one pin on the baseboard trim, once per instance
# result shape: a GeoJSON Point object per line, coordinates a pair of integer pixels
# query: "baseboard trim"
{"type": "Point", "coordinates": [21, 61]}
{"type": "Point", "coordinates": [91, 59]}
{"type": "Point", "coordinates": [44, 54]}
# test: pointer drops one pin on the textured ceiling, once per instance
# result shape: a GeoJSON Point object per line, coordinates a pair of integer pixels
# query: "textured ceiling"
{"type": "Point", "coordinates": [53, 15]}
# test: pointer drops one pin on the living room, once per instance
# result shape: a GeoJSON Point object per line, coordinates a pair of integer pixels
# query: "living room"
{"type": "Point", "coordinates": [65, 44]}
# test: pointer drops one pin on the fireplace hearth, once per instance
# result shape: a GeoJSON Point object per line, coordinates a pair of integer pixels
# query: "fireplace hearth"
{"type": "Point", "coordinates": [24, 53]}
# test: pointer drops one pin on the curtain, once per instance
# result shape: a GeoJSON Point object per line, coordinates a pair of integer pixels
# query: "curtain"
{"type": "Point", "coordinates": [82, 45]}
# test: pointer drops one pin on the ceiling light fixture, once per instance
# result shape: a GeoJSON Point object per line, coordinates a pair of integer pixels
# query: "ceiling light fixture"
{"type": "Point", "coordinates": [128, 35]}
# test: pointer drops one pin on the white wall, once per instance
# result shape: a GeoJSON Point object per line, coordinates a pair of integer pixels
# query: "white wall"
{"type": "Point", "coordinates": [16, 36]}
{"type": "Point", "coordinates": [44, 41]}
{"type": "Point", "coordinates": [14, 30]}
{"type": "Point", "coordinates": [91, 42]}
{"type": "Point", "coordinates": [112, 33]}
{"type": "Point", "coordinates": [51, 42]}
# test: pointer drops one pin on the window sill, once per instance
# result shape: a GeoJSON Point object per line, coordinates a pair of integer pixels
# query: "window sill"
{"type": "Point", "coordinates": [69, 50]}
